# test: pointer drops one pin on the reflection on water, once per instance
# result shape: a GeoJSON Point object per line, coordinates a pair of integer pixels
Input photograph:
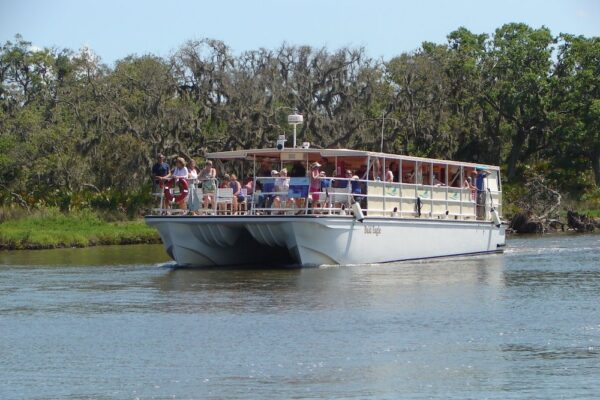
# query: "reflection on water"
{"type": "Point", "coordinates": [255, 290]}
{"type": "Point", "coordinates": [551, 353]}
{"type": "Point", "coordinates": [89, 256]}
{"type": "Point", "coordinates": [119, 322]}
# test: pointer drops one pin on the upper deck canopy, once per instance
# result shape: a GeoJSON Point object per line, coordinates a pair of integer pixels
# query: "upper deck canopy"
{"type": "Point", "coordinates": [316, 154]}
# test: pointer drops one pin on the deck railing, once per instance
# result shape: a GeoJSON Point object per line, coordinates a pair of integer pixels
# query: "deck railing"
{"type": "Point", "coordinates": [377, 198]}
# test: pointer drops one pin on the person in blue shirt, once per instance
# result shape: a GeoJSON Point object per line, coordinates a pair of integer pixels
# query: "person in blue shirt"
{"type": "Point", "coordinates": [160, 169]}
{"type": "Point", "coordinates": [480, 185]}
{"type": "Point", "coordinates": [356, 188]}
{"type": "Point", "coordinates": [342, 184]}
{"type": "Point", "coordinates": [325, 183]}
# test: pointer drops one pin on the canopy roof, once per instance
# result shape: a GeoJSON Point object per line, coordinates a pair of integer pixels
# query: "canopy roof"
{"type": "Point", "coordinates": [316, 154]}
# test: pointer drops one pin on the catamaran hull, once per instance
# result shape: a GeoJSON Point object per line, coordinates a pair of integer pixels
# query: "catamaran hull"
{"type": "Point", "coordinates": [315, 240]}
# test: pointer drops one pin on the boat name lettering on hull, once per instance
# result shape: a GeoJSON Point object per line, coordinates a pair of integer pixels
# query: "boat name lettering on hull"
{"type": "Point", "coordinates": [372, 230]}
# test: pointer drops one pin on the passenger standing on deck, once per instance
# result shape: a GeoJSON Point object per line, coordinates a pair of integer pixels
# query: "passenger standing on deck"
{"type": "Point", "coordinates": [179, 172]}
{"type": "Point", "coordinates": [194, 200]}
{"type": "Point", "coordinates": [315, 182]}
{"type": "Point", "coordinates": [265, 169]}
{"type": "Point", "coordinates": [480, 185]}
{"type": "Point", "coordinates": [355, 186]}
{"type": "Point", "coordinates": [327, 167]}
{"type": "Point", "coordinates": [298, 170]}
{"type": "Point", "coordinates": [468, 184]}
{"type": "Point", "coordinates": [325, 185]}
{"type": "Point", "coordinates": [389, 174]}
{"type": "Point", "coordinates": [160, 169]}
{"type": "Point", "coordinates": [376, 170]}
{"type": "Point", "coordinates": [208, 178]}
{"type": "Point", "coordinates": [192, 170]}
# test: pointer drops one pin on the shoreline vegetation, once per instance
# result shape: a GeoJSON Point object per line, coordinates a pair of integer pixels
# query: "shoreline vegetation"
{"type": "Point", "coordinates": [78, 137]}
{"type": "Point", "coordinates": [50, 229]}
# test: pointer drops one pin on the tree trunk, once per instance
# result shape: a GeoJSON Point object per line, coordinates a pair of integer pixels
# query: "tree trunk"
{"type": "Point", "coordinates": [515, 152]}
{"type": "Point", "coordinates": [596, 165]}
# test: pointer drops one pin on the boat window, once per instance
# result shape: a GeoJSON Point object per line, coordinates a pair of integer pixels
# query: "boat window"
{"type": "Point", "coordinates": [392, 169]}
{"type": "Point", "coordinates": [492, 182]}
{"type": "Point", "coordinates": [454, 176]}
{"type": "Point", "coordinates": [425, 174]}
{"type": "Point", "coordinates": [409, 174]}
{"type": "Point", "coordinates": [438, 176]}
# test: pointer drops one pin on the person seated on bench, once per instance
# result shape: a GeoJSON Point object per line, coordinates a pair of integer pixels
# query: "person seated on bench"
{"type": "Point", "coordinates": [267, 186]}
{"type": "Point", "coordinates": [238, 198]}
{"type": "Point", "coordinates": [225, 184]}
{"type": "Point", "coordinates": [282, 185]}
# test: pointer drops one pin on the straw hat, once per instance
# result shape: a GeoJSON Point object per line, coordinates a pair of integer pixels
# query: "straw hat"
{"type": "Point", "coordinates": [315, 165]}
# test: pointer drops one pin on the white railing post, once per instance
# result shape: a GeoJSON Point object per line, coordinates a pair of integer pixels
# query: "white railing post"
{"type": "Point", "coordinates": [447, 183]}
{"type": "Point", "coordinates": [462, 180]}
{"type": "Point", "coordinates": [400, 177]}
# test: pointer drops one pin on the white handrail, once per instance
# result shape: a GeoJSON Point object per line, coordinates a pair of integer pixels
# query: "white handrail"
{"type": "Point", "coordinates": [382, 199]}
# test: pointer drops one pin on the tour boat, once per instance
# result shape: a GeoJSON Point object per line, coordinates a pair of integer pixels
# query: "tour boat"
{"type": "Point", "coordinates": [388, 208]}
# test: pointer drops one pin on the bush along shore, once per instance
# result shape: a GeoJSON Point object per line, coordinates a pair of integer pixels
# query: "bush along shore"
{"type": "Point", "coordinates": [49, 228]}
{"type": "Point", "coordinates": [538, 207]}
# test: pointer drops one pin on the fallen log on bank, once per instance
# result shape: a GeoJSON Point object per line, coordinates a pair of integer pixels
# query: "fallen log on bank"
{"type": "Point", "coordinates": [525, 222]}
{"type": "Point", "coordinates": [539, 204]}
{"type": "Point", "coordinates": [580, 222]}
{"type": "Point", "coordinates": [521, 223]}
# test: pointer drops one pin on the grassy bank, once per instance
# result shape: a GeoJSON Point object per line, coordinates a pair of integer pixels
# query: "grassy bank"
{"type": "Point", "coordinates": [50, 228]}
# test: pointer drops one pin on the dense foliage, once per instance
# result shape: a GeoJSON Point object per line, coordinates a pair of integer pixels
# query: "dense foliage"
{"type": "Point", "coordinates": [76, 133]}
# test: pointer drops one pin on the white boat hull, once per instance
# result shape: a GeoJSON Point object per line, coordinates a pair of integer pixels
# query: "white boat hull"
{"type": "Point", "coordinates": [314, 240]}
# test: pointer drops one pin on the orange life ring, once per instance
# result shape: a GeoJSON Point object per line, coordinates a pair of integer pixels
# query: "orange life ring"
{"type": "Point", "coordinates": [183, 189]}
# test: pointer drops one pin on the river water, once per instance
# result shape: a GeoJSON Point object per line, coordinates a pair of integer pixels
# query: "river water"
{"type": "Point", "coordinates": [120, 323]}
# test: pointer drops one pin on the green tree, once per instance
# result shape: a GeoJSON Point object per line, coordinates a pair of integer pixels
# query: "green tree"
{"type": "Point", "coordinates": [516, 85]}
{"type": "Point", "coordinates": [577, 100]}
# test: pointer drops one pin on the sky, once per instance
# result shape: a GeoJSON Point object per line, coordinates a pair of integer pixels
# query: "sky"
{"type": "Point", "coordinates": [114, 29]}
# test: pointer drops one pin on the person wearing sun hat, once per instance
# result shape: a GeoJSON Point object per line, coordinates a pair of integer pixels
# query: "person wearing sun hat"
{"type": "Point", "coordinates": [481, 173]}
{"type": "Point", "coordinates": [315, 182]}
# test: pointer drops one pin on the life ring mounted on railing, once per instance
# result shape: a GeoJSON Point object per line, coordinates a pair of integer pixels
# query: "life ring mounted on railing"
{"type": "Point", "coordinates": [183, 189]}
